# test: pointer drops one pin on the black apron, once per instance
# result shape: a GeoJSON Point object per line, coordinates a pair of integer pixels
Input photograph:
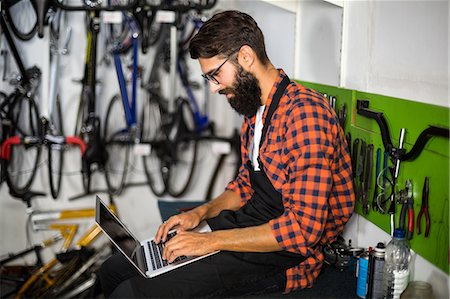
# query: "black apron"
{"type": "Point", "coordinates": [265, 204]}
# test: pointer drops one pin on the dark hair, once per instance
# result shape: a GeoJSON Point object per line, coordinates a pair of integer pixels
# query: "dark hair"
{"type": "Point", "coordinates": [225, 33]}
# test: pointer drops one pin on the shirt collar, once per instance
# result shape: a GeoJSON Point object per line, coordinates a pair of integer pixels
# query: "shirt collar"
{"type": "Point", "coordinates": [281, 75]}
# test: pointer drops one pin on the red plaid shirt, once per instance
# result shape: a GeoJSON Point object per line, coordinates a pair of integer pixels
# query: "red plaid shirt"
{"type": "Point", "coordinates": [305, 156]}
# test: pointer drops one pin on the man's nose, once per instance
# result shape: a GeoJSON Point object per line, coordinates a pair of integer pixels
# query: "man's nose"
{"type": "Point", "coordinates": [213, 87]}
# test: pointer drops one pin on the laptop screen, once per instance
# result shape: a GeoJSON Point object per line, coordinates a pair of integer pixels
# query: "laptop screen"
{"type": "Point", "coordinates": [118, 234]}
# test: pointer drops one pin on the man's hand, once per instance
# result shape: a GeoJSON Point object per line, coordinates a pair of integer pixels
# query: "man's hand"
{"type": "Point", "coordinates": [181, 222]}
{"type": "Point", "coordinates": [189, 244]}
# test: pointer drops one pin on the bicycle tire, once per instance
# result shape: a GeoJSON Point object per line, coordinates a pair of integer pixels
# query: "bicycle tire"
{"type": "Point", "coordinates": [183, 162]}
{"type": "Point", "coordinates": [80, 130]}
{"type": "Point", "coordinates": [3, 113]}
{"type": "Point", "coordinates": [56, 151]}
{"type": "Point", "coordinates": [151, 133]}
{"type": "Point", "coordinates": [118, 144]}
{"type": "Point", "coordinates": [23, 163]}
{"type": "Point", "coordinates": [22, 18]}
{"type": "Point", "coordinates": [150, 29]}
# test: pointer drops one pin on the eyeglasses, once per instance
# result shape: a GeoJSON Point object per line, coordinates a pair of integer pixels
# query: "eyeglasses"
{"type": "Point", "coordinates": [210, 75]}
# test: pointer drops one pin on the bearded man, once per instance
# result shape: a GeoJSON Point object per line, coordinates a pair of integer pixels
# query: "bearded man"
{"type": "Point", "coordinates": [293, 193]}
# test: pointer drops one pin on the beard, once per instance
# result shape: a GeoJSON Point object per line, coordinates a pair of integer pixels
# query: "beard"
{"type": "Point", "coordinates": [246, 93]}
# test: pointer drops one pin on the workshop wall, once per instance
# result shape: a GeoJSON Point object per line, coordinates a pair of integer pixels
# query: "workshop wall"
{"type": "Point", "coordinates": [432, 162]}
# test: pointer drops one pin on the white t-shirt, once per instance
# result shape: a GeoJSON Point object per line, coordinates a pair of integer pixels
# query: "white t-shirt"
{"type": "Point", "coordinates": [257, 138]}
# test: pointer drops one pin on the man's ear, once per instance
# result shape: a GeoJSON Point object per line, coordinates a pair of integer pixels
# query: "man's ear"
{"type": "Point", "coordinates": [246, 57]}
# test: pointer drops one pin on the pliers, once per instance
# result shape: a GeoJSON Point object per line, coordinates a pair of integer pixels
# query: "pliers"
{"type": "Point", "coordinates": [424, 209]}
{"type": "Point", "coordinates": [407, 201]}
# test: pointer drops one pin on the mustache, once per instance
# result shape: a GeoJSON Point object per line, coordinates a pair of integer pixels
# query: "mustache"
{"type": "Point", "coordinates": [226, 91]}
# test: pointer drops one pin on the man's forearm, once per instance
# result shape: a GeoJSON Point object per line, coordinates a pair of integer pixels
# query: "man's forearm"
{"type": "Point", "coordinates": [228, 200]}
{"type": "Point", "coordinates": [249, 239]}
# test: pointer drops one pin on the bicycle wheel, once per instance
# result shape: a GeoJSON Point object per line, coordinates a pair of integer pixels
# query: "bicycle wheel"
{"type": "Point", "coordinates": [3, 128]}
{"type": "Point", "coordinates": [22, 18]}
{"type": "Point", "coordinates": [151, 133]}
{"type": "Point", "coordinates": [183, 153]}
{"type": "Point", "coordinates": [56, 151]}
{"type": "Point", "coordinates": [22, 165]}
{"type": "Point", "coordinates": [118, 144]}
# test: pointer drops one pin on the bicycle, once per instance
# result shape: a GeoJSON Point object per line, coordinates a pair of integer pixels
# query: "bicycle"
{"type": "Point", "coordinates": [25, 130]}
{"type": "Point", "coordinates": [88, 125]}
{"type": "Point", "coordinates": [121, 133]}
{"type": "Point", "coordinates": [172, 134]}
{"type": "Point", "coordinates": [121, 129]}
{"type": "Point", "coordinates": [72, 271]}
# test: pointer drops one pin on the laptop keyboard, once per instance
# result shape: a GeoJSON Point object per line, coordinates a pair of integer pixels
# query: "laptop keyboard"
{"type": "Point", "coordinates": [156, 251]}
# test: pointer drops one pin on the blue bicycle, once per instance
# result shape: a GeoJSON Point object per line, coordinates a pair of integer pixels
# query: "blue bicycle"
{"type": "Point", "coordinates": [121, 128]}
{"type": "Point", "coordinates": [171, 136]}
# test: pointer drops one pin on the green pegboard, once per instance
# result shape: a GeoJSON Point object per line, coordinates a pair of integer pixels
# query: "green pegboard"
{"type": "Point", "coordinates": [433, 162]}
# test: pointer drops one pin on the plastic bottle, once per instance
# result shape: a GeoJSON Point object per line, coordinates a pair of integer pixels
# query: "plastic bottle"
{"type": "Point", "coordinates": [396, 266]}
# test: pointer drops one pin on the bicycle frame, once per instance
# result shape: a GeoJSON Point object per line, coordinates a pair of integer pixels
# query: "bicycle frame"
{"type": "Point", "coordinates": [129, 106]}
{"type": "Point", "coordinates": [48, 220]}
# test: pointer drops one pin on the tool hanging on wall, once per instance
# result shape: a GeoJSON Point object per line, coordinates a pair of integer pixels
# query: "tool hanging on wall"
{"type": "Point", "coordinates": [424, 209]}
{"type": "Point", "coordinates": [391, 210]}
{"type": "Point", "coordinates": [405, 198]}
{"type": "Point", "coordinates": [383, 178]}
{"type": "Point", "coordinates": [377, 174]}
{"type": "Point", "coordinates": [399, 154]}
{"type": "Point", "coordinates": [342, 115]}
{"type": "Point", "coordinates": [355, 157]}
{"type": "Point", "coordinates": [360, 170]}
{"type": "Point", "coordinates": [349, 142]}
{"type": "Point", "coordinates": [362, 108]}
{"type": "Point", "coordinates": [367, 179]}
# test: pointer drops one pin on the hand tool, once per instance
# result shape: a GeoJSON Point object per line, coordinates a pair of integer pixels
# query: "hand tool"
{"type": "Point", "coordinates": [405, 198]}
{"type": "Point", "coordinates": [424, 209]}
{"type": "Point", "coordinates": [360, 169]}
{"type": "Point", "coordinates": [377, 174]}
{"type": "Point", "coordinates": [394, 180]}
{"type": "Point", "coordinates": [342, 115]}
{"type": "Point", "coordinates": [367, 180]}
{"type": "Point", "coordinates": [355, 157]}
{"type": "Point", "coordinates": [349, 142]}
{"type": "Point", "coordinates": [383, 198]}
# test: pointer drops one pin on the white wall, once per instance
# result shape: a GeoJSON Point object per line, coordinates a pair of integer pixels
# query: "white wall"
{"type": "Point", "coordinates": [398, 48]}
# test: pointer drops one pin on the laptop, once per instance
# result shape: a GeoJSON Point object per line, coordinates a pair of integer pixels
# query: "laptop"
{"type": "Point", "coordinates": [146, 255]}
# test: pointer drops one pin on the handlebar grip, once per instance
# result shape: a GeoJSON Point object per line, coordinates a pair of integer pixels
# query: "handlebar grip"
{"type": "Point", "coordinates": [77, 141]}
{"type": "Point", "coordinates": [6, 147]}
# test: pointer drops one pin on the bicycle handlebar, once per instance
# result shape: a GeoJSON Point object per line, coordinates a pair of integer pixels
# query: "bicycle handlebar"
{"type": "Point", "coordinates": [362, 108]}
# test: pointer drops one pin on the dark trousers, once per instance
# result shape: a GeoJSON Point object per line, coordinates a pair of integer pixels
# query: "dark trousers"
{"type": "Point", "coordinates": [225, 274]}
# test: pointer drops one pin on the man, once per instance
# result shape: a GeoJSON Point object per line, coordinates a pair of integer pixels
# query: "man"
{"type": "Point", "coordinates": [292, 195]}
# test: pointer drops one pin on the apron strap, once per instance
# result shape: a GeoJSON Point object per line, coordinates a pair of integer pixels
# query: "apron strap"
{"type": "Point", "coordinates": [273, 106]}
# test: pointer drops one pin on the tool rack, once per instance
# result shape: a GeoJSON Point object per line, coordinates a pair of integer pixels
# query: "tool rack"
{"type": "Point", "coordinates": [432, 162]}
